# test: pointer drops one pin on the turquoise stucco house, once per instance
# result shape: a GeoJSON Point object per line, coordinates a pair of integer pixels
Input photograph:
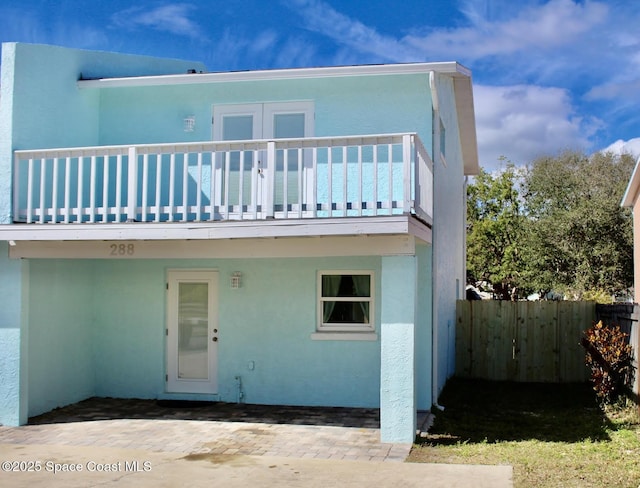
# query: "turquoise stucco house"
{"type": "Point", "coordinates": [290, 236]}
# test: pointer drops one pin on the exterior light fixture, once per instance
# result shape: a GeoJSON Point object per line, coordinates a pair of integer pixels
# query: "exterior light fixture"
{"type": "Point", "coordinates": [236, 280]}
{"type": "Point", "coordinates": [189, 123]}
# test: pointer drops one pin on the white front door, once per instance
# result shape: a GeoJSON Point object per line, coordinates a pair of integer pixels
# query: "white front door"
{"type": "Point", "coordinates": [278, 120]}
{"type": "Point", "coordinates": [192, 331]}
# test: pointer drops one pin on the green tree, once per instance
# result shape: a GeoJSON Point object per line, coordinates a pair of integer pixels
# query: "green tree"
{"type": "Point", "coordinates": [578, 238]}
{"type": "Point", "coordinates": [494, 231]}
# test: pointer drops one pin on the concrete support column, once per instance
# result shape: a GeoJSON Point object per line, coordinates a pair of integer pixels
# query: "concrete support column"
{"type": "Point", "coordinates": [397, 355]}
{"type": "Point", "coordinates": [13, 338]}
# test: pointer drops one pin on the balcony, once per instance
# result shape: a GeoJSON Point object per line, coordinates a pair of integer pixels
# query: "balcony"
{"type": "Point", "coordinates": [309, 178]}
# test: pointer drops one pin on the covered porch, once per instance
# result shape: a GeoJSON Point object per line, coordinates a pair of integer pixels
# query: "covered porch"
{"type": "Point", "coordinates": [103, 332]}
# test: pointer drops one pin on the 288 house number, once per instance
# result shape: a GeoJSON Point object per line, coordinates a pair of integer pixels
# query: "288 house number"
{"type": "Point", "coordinates": [122, 250]}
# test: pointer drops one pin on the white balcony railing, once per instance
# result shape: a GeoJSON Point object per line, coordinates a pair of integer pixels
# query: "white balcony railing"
{"type": "Point", "coordinates": [211, 181]}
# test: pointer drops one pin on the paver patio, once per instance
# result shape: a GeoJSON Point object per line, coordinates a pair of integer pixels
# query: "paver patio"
{"type": "Point", "coordinates": [212, 428]}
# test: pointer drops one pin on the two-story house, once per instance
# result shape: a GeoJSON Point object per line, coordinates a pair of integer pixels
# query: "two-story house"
{"type": "Point", "coordinates": [291, 236]}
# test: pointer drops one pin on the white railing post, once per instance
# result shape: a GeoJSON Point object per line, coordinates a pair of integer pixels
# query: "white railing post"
{"type": "Point", "coordinates": [406, 165]}
{"type": "Point", "coordinates": [67, 188]}
{"type": "Point", "coordinates": [132, 186]}
{"type": "Point", "coordinates": [54, 192]}
{"type": "Point", "coordinates": [79, 199]}
{"type": "Point", "coordinates": [314, 182]}
{"type": "Point", "coordinates": [29, 191]}
{"type": "Point", "coordinates": [269, 181]}
{"type": "Point", "coordinates": [423, 182]}
{"type": "Point", "coordinates": [119, 188]}
{"type": "Point", "coordinates": [16, 188]}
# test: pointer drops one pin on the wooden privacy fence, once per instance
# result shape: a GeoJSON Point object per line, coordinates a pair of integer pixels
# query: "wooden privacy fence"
{"type": "Point", "coordinates": [522, 341]}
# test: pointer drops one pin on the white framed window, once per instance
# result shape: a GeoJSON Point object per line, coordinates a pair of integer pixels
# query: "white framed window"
{"type": "Point", "coordinates": [346, 301]}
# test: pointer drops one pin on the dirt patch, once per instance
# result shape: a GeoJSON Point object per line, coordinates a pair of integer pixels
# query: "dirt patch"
{"type": "Point", "coordinates": [236, 460]}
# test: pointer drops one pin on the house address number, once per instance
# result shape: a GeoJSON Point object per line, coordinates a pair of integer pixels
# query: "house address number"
{"type": "Point", "coordinates": [122, 249]}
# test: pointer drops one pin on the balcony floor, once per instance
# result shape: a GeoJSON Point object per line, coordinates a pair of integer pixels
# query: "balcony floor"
{"type": "Point", "coordinates": [345, 236]}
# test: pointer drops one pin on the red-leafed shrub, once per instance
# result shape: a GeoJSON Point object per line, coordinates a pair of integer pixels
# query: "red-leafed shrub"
{"type": "Point", "coordinates": [610, 358]}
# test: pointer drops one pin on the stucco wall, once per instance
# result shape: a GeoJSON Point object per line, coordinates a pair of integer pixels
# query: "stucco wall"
{"type": "Point", "coordinates": [343, 106]}
{"type": "Point", "coordinates": [424, 319]}
{"type": "Point", "coordinates": [14, 290]}
{"type": "Point", "coordinates": [102, 333]}
{"type": "Point", "coordinates": [42, 105]}
{"type": "Point", "coordinates": [61, 367]}
{"type": "Point", "coordinates": [448, 233]}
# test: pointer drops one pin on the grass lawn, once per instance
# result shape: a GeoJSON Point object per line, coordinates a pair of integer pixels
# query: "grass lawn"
{"type": "Point", "coordinates": [552, 435]}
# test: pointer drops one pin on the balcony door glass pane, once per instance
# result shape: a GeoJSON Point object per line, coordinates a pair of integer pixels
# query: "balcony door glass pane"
{"type": "Point", "coordinates": [239, 128]}
{"type": "Point", "coordinates": [285, 126]}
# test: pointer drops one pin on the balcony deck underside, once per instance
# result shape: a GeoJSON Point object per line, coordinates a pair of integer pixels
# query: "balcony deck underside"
{"type": "Point", "coordinates": [347, 236]}
{"type": "Point", "coordinates": [342, 226]}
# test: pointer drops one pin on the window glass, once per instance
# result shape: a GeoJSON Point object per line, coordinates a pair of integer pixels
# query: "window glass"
{"type": "Point", "coordinates": [346, 301]}
{"type": "Point", "coordinates": [237, 127]}
{"type": "Point", "coordinates": [288, 125]}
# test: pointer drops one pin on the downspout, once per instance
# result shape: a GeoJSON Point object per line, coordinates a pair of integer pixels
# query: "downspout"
{"type": "Point", "coordinates": [463, 278]}
{"type": "Point", "coordinates": [435, 144]}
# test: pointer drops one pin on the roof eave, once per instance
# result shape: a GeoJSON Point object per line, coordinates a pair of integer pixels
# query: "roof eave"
{"type": "Point", "coordinates": [631, 193]}
{"type": "Point", "coordinates": [451, 68]}
{"type": "Point", "coordinates": [467, 124]}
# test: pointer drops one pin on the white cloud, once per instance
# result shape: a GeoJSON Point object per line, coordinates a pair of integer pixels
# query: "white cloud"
{"type": "Point", "coordinates": [523, 122]}
{"type": "Point", "coordinates": [539, 27]}
{"type": "Point", "coordinates": [294, 52]}
{"type": "Point", "coordinates": [322, 18]}
{"type": "Point", "coordinates": [23, 25]}
{"type": "Point", "coordinates": [172, 18]}
{"type": "Point", "coordinates": [632, 146]}
{"type": "Point", "coordinates": [613, 90]}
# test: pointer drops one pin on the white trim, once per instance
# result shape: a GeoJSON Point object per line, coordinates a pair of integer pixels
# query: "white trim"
{"type": "Point", "coordinates": [400, 245]}
{"type": "Point", "coordinates": [344, 336]}
{"type": "Point", "coordinates": [451, 68]}
{"type": "Point", "coordinates": [270, 109]}
{"type": "Point", "coordinates": [466, 119]}
{"type": "Point", "coordinates": [355, 328]}
{"type": "Point", "coordinates": [630, 194]}
{"type": "Point", "coordinates": [240, 229]}
{"type": "Point", "coordinates": [174, 383]}
{"type": "Point", "coordinates": [221, 111]}
{"type": "Point", "coordinates": [443, 160]}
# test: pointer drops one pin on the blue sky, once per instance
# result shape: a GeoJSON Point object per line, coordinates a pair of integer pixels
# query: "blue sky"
{"type": "Point", "coordinates": [548, 74]}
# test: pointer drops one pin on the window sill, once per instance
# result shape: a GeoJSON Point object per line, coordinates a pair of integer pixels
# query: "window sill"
{"type": "Point", "coordinates": [344, 336]}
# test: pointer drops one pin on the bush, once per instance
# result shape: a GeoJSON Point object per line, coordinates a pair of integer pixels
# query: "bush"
{"type": "Point", "coordinates": [598, 296]}
{"type": "Point", "coordinates": [610, 358]}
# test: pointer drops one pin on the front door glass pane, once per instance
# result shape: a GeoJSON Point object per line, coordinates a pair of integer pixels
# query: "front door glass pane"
{"type": "Point", "coordinates": [193, 331]}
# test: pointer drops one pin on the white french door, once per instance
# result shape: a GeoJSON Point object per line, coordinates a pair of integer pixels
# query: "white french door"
{"type": "Point", "coordinates": [277, 120]}
{"type": "Point", "coordinates": [192, 331]}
